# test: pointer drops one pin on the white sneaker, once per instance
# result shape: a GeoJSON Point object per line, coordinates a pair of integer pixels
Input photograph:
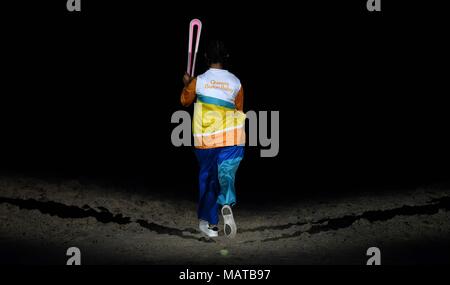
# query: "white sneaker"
{"type": "Point", "coordinates": [207, 229]}
{"type": "Point", "coordinates": [229, 227]}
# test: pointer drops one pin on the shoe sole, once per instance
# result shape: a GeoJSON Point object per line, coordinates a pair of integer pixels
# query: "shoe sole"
{"type": "Point", "coordinates": [229, 227]}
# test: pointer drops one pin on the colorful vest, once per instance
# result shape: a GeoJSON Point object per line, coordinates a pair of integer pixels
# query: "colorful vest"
{"type": "Point", "coordinates": [216, 121]}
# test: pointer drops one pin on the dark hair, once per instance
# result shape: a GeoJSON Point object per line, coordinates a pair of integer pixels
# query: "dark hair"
{"type": "Point", "coordinates": [216, 52]}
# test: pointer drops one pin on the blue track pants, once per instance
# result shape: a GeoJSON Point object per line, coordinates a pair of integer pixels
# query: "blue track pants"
{"type": "Point", "coordinates": [218, 168]}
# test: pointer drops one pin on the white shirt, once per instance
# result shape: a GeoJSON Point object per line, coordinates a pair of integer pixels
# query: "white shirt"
{"type": "Point", "coordinates": [218, 83]}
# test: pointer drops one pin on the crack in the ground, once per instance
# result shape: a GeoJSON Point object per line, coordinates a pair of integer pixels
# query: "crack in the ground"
{"type": "Point", "coordinates": [64, 211]}
{"type": "Point", "coordinates": [322, 225]}
{"type": "Point", "coordinates": [333, 224]}
{"type": "Point", "coordinates": [273, 227]}
{"type": "Point", "coordinates": [103, 215]}
{"type": "Point", "coordinates": [170, 231]}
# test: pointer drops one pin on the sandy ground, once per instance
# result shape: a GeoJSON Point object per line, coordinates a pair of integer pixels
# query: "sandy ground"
{"type": "Point", "coordinates": [39, 220]}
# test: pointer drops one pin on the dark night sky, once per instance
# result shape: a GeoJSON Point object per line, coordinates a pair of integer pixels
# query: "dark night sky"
{"type": "Point", "coordinates": [361, 96]}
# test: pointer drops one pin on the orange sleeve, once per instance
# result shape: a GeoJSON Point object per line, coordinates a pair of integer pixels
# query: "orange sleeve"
{"type": "Point", "coordinates": [239, 100]}
{"type": "Point", "coordinates": [188, 93]}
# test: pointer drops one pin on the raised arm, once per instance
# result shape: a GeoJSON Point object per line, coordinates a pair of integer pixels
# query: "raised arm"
{"type": "Point", "coordinates": [188, 93]}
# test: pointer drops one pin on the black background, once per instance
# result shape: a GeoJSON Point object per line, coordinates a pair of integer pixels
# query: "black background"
{"type": "Point", "coordinates": [362, 96]}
